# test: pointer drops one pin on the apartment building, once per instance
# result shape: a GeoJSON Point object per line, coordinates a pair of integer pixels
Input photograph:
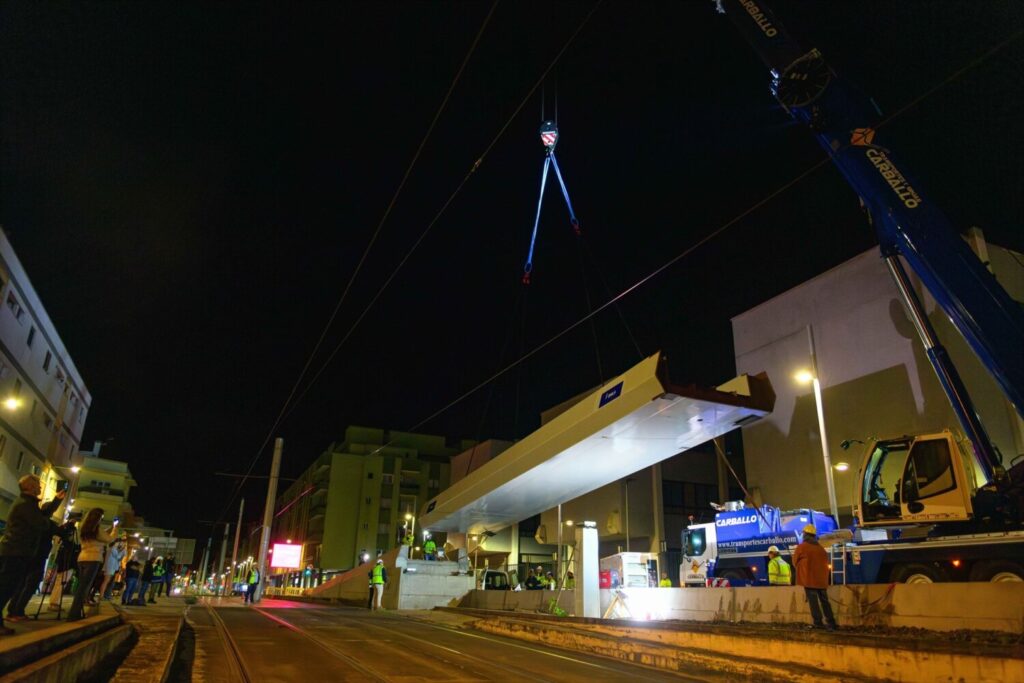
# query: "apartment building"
{"type": "Point", "coordinates": [359, 493]}
{"type": "Point", "coordinates": [43, 400]}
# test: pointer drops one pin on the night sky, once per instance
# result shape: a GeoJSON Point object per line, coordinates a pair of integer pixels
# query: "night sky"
{"type": "Point", "coordinates": [190, 187]}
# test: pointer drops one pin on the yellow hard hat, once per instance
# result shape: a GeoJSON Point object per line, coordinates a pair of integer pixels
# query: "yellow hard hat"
{"type": "Point", "coordinates": [809, 529]}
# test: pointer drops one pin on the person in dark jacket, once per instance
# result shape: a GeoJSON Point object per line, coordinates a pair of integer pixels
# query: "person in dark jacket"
{"type": "Point", "coordinates": [27, 526]}
{"type": "Point", "coordinates": [147, 578]}
{"type": "Point", "coordinates": [16, 608]}
{"type": "Point", "coordinates": [169, 567]}
{"type": "Point", "coordinates": [131, 580]}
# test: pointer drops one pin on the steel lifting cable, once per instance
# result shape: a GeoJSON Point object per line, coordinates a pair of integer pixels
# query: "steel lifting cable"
{"type": "Point", "coordinates": [549, 138]}
{"type": "Point", "coordinates": [286, 406]}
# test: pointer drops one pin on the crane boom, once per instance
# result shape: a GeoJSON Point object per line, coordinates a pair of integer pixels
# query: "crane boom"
{"type": "Point", "coordinates": [844, 123]}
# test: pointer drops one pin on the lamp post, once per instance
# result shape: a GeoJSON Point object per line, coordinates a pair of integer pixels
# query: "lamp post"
{"type": "Point", "coordinates": [811, 377]}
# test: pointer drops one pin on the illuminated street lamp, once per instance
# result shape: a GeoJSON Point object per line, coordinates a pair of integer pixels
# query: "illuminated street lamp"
{"type": "Point", "coordinates": [811, 377]}
{"type": "Point", "coordinates": [12, 403]}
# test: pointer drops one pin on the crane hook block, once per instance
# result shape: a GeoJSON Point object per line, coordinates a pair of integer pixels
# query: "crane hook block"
{"type": "Point", "coordinates": [549, 135]}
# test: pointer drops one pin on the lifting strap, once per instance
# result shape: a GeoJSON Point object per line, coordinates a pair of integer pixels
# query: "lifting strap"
{"type": "Point", "coordinates": [549, 138]}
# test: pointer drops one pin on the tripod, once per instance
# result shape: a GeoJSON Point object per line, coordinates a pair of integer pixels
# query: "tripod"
{"type": "Point", "coordinates": [51, 581]}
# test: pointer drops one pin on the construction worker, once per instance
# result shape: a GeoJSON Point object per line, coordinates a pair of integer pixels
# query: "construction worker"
{"type": "Point", "coordinates": [429, 549]}
{"type": "Point", "coordinates": [811, 562]}
{"type": "Point", "coordinates": [378, 577]}
{"type": "Point", "coordinates": [252, 584]}
{"type": "Point", "coordinates": [778, 568]}
{"type": "Point", "coordinates": [570, 581]}
{"type": "Point", "coordinates": [550, 583]}
{"type": "Point", "coordinates": [665, 581]}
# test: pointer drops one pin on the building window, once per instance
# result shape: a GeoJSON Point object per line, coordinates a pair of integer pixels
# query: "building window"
{"type": "Point", "coordinates": [369, 475]}
{"type": "Point", "coordinates": [47, 420]}
{"type": "Point", "coordinates": [12, 303]}
{"type": "Point", "coordinates": [21, 461]}
{"type": "Point", "coordinates": [4, 369]}
{"type": "Point", "coordinates": [31, 336]}
{"type": "Point", "coordinates": [3, 445]}
{"type": "Point", "coordinates": [35, 470]}
{"type": "Point", "coordinates": [388, 479]}
{"type": "Point", "coordinates": [46, 361]}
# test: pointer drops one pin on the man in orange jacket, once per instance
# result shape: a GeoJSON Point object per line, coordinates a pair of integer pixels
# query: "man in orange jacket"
{"type": "Point", "coordinates": [812, 572]}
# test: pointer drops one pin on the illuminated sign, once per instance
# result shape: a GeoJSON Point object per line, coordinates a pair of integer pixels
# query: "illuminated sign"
{"type": "Point", "coordinates": [286, 556]}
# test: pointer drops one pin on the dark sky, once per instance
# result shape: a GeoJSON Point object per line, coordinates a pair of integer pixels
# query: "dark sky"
{"type": "Point", "coordinates": [190, 187]}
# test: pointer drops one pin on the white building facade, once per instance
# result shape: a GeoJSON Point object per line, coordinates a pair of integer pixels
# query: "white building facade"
{"type": "Point", "coordinates": [43, 400]}
{"type": "Point", "coordinates": [876, 379]}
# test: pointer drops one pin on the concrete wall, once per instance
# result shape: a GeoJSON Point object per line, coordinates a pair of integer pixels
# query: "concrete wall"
{"type": "Point", "coordinates": [875, 376]}
{"type": "Point", "coordinates": [939, 607]}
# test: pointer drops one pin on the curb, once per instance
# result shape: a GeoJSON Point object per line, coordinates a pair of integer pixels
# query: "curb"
{"type": "Point", "coordinates": [62, 637]}
{"type": "Point", "coordinates": [72, 661]}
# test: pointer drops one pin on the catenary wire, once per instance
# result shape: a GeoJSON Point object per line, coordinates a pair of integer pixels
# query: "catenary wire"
{"type": "Point", "coordinates": [362, 260]}
{"type": "Point", "coordinates": [476, 165]}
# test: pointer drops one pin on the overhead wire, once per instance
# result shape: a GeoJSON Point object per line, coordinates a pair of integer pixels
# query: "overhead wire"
{"type": "Point", "coordinates": [451, 197]}
{"type": "Point", "coordinates": [285, 407]}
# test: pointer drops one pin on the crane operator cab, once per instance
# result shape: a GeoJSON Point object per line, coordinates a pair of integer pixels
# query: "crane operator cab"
{"type": "Point", "coordinates": [915, 479]}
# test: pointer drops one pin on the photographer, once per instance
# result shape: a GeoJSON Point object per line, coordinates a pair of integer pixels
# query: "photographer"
{"type": "Point", "coordinates": [89, 560]}
{"type": "Point", "coordinates": [27, 527]}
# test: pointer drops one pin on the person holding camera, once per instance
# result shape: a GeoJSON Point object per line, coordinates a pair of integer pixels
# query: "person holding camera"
{"type": "Point", "coordinates": [90, 559]}
{"type": "Point", "coordinates": [27, 528]}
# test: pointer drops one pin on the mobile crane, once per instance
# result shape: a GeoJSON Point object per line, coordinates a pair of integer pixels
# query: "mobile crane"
{"type": "Point", "coordinates": [921, 513]}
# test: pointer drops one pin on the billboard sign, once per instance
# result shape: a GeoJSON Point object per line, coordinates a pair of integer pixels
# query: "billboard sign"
{"type": "Point", "coordinates": [286, 556]}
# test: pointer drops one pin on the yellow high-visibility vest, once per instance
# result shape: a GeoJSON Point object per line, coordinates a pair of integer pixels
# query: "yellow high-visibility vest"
{"type": "Point", "coordinates": [378, 574]}
{"type": "Point", "coordinates": [665, 583]}
{"type": "Point", "coordinates": [778, 572]}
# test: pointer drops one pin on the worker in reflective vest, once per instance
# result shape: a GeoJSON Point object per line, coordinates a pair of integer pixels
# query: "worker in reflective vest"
{"type": "Point", "coordinates": [429, 549]}
{"type": "Point", "coordinates": [378, 577]}
{"type": "Point", "coordinates": [778, 568]}
{"type": "Point", "coordinates": [665, 581]}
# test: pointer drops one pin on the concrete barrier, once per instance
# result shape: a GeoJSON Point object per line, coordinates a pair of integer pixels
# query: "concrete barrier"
{"type": "Point", "coordinates": [412, 584]}
{"type": "Point", "coordinates": [938, 607]}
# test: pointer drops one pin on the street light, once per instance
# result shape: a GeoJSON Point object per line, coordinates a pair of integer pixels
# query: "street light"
{"type": "Point", "coordinates": [810, 376]}
{"type": "Point", "coordinates": [12, 403]}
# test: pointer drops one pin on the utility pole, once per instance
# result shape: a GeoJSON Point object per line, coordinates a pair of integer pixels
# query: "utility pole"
{"type": "Point", "coordinates": [234, 549]}
{"type": "Point", "coordinates": [206, 560]}
{"type": "Point", "coordinates": [268, 514]}
{"type": "Point", "coordinates": [223, 552]}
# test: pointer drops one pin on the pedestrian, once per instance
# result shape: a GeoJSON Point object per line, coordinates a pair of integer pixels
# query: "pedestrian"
{"type": "Point", "coordinates": [111, 566]}
{"type": "Point", "coordinates": [27, 526]}
{"type": "Point", "coordinates": [131, 581]}
{"type": "Point", "coordinates": [36, 568]}
{"type": "Point", "coordinates": [429, 549]}
{"type": "Point", "coordinates": [811, 562]}
{"type": "Point", "coordinates": [90, 560]}
{"type": "Point", "coordinates": [253, 584]}
{"type": "Point", "coordinates": [532, 582]}
{"type": "Point", "coordinates": [379, 578]}
{"type": "Point", "coordinates": [145, 580]}
{"type": "Point", "coordinates": [157, 582]}
{"type": "Point", "coordinates": [665, 581]}
{"type": "Point", "coordinates": [169, 567]}
{"type": "Point", "coordinates": [549, 581]}
{"type": "Point", "coordinates": [778, 569]}
{"type": "Point", "coordinates": [570, 581]}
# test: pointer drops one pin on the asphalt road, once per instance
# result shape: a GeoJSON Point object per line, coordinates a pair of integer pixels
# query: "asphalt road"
{"type": "Point", "coordinates": [292, 643]}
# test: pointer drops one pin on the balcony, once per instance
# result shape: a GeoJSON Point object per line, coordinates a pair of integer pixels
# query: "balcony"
{"type": "Point", "coordinates": [103, 490]}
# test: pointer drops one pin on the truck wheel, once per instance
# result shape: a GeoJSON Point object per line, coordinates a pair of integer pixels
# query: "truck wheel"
{"type": "Point", "coordinates": [918, 573]}
{"type": "Point", "coordinates": [998, 571]}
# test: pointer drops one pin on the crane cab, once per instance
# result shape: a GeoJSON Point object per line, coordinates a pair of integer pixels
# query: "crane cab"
{"type": "Point", "coordinates": [915, 479]}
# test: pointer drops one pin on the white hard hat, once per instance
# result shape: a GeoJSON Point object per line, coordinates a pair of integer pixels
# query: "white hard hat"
{"type": "Point", "coordinates": [380, 561]}
{"type": "Point", "coordinates": [773, 548]}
